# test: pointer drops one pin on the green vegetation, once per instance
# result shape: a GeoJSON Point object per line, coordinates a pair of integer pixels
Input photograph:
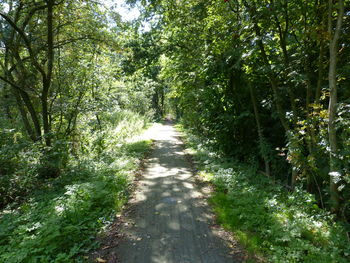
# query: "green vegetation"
{"type": "Point", "coordinates": [268, 220]}
{"type": "Point", "coordinates": [265, 80]}
{"type": "Point", "coordinates": [68, 112]}
{"type": "Point", "coordinates": [59, 221]}
{"type": "Point", "coordinates": [263, 83]}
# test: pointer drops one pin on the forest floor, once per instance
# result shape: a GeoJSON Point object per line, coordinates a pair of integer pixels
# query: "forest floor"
{"type": "Point", "coordinates": [168, 218]}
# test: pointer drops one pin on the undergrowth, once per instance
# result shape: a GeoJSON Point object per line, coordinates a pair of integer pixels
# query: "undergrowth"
{"type": "Point", "coordinates": [268, 220]}
{"type": "Point", "coordinates": [59, 220]}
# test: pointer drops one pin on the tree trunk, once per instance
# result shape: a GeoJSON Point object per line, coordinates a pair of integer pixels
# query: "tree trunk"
{"type": "Point", "coordinates": [320, 73]}
{"type": "Point", "coordinates": [260, 131]}
{"type": "Point", "coordinates": [310, 131]}
{"type": "Point", "coordinates": [45, 114]}
{"type": "Point", "coordinates": [332, 108]}
{"type": "Point", "coordinates": [48, 77]}
{"type": "Point", "coordinates": [23, 113]}
{"type": "Point", "coordinates": [32, 113]}
{"type": "Point", "coordinates": [321, 57]}
{"type": "Point", "coordinates": [274, 85]}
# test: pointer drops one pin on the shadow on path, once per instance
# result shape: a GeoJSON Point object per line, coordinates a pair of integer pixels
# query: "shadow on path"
{"type": "Point", "coordinates": [168, 220]}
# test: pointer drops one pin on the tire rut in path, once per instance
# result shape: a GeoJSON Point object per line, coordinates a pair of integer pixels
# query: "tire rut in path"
{"type": "Point", "coordinates": [168, 220]}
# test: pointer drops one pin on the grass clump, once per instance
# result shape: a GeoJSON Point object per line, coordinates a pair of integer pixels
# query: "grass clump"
{"type": "Point", "coordinates": [280, 225]}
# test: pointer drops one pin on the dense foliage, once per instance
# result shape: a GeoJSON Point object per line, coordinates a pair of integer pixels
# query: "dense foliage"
{"type": "Point", "coordinates": [68, 110]}
{"type": "Point", "coordinates": [266, 82]}
{"type": "Point", "coordinates": [272, 223]}
{"type": "Point", "coordinates": [60, 219]}
{"type": "Point", "coordinates": [59, 79]}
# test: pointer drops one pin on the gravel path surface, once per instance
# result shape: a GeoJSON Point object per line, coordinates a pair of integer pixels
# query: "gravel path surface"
{"type": "Point", "coordinates": [168, 219]}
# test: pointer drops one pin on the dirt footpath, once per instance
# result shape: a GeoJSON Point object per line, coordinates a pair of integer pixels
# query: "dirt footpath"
{"type": "Point", "coordinates": [168, 220]}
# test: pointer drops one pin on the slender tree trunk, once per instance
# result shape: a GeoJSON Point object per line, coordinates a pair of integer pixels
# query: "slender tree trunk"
{"type": "Point", "coordinates": [48, 76]}
{"type": "Point", "coordinates": [272, 78]}
{"type": "Point", "coordinates": [320, 73]}
{"type": "Point", "coordinates": [24, 117]}
{"type": "Point", "coordinates": [279, 108]}
{"type": "Point", "coordinates": [321, 57]}
{"type": "Point", "coordinates": [45, 114]}
{"type": "Point", "coordinates": [332, 108]}
{"type": "Point", "coordinates": [162, 101]}
{"type": "Point", "coordinates": [274, 86]}
{"type": "Point", "coordinates": [260, 131]}
{"type": "Point", "coordinates": [282, 32]}
{"type": "Point", "coordinates": [98, 122]}
{"type": "Point", "coordinates": [310, 131]}
{"type": "Point", "coordinates": [21, 76]}
{"type": "Point", "coordinates": [270, 75]}
{"type": "Point", "coordinates": [32, 113]}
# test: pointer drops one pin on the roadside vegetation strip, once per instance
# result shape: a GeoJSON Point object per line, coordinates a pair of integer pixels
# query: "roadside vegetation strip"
{"type": "Point", "coordinates": [281, 226]}
{"type": "Point", "coordinates": [59, 221]}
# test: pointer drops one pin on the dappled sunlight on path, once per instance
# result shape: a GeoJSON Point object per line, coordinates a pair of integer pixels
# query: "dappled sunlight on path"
{"type": "Point", "coordinates": [168, 219]}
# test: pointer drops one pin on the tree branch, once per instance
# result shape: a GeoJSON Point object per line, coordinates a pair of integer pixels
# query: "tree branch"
{"type": "Point", "coordinates": [26, 41]}
{"type": "Point", "coordinates": [9, 82]}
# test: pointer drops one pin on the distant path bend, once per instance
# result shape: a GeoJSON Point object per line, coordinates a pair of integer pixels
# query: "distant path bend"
{"type": "Point", "coordinates": [168, 220]}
